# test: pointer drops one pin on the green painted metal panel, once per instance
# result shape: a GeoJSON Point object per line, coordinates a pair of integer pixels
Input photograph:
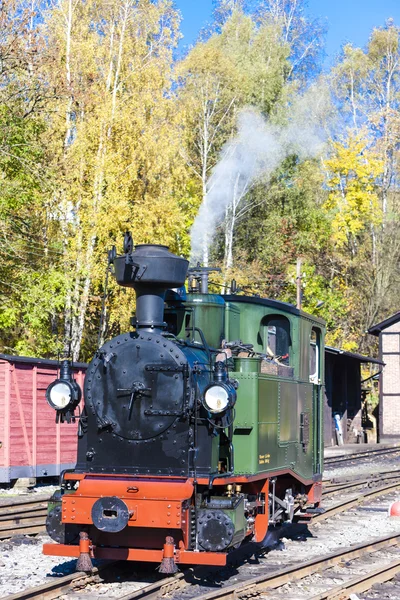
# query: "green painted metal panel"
{"type": "Point", "coordinates": [205, 312]}
{"type": "Point", "coordinates": [289, 413]}
{"type": "Point", "coordinates": [245, 433]}
{"type": "Point", "coordinates": [291, 456]}
{"type": "Point", "coordinates": [268, 400]}
{"type": "Point", "coordinates": [305, 451]}
{"type": "Point", "coordinates": [271, 456]}
{"type": "Point", "coordinates": [232, 323]}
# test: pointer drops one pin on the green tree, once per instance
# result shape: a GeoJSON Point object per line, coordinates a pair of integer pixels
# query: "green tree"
{"type": "Point", "coordinates": [366, 86]}
{"type": "Point", "coordinates": [27, 251]}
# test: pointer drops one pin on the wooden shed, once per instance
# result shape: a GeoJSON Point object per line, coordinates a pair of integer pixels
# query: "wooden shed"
{"type": "Point", "coordinates": [31, 443]}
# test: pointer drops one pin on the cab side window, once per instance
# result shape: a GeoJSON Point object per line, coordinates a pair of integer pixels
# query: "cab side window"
{"type": "Point", "coordinates": [315, 355]}
{"type": "Point", "coordinates": [277, 339]}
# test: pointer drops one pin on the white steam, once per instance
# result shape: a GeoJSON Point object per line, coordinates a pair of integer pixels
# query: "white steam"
{"type": "Point", "coordinates": [257, 150]}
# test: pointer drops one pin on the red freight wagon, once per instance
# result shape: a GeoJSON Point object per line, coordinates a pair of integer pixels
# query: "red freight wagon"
{"type": "Point", "coordinates": [31, 443]}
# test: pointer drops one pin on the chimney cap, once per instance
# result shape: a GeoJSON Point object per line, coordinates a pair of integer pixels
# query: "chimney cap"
{"type": "Point", "coordinates": [150, 264]}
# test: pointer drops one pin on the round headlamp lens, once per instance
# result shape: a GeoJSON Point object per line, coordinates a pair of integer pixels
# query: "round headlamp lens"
{"type": "Point", "coordinates": [216, 399]}
{"type": "Point", "coordinates": [60, 395]}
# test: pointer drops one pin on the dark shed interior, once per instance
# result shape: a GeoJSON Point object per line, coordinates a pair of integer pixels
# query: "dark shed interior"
{"type": "Point", "coordinates": [343, 396]}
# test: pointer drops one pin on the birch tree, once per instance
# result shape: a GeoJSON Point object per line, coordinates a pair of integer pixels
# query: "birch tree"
{"type": "Point", "coordinates": [303, 35]}
{"type": "Point", "coordinates": [117, 58]}
{"type": "Point", "coordinates": [209, 100]}
{"type": "Point", "coordinates": [242, 65]}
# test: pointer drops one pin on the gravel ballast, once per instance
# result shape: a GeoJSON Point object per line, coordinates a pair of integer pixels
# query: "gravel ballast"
{"type": "Point", "coordinates": [22, 564]}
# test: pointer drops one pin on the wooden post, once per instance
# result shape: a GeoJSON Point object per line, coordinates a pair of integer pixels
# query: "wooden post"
{"type": "Point", "coordinates": [298, 283]}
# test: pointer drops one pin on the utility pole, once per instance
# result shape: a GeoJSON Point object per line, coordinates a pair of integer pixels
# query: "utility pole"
{"type": "Point", "coordinates": [298, 283]}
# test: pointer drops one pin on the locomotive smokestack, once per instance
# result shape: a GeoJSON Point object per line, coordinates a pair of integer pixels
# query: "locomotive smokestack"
{"type": "Point", "coordinates": [151, 270]}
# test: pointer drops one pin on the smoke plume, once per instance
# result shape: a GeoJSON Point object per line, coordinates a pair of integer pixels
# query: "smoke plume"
{"type": "Point", "coordinates": [257, 150]}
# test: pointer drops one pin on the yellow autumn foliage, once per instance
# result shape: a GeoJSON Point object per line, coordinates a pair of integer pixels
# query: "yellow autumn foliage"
{"type": "Point", "coordinates": [353, 200]}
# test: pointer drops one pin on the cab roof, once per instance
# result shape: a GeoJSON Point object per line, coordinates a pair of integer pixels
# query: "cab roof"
{"type": "Point", "coordinates": [275, 304]}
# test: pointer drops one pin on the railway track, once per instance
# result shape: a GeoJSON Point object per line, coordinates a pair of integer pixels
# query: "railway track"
{"type": "Point", "coordinates": [332, 488]}
{"type": "Point", "coordinates": [355, 456]}
{"type": "Point", "coordinates": [349, 503]}
{"type": "Point", "coordinates": [19, 517]}
{"type": "Point", "coordinates": [267, 582]}
{"type": "Point", "coordinates": [181, 583]}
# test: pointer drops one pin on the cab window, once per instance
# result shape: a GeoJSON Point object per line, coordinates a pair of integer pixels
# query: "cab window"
{"type": "Point", "coordinates": [277, 339]}
{"type": "Point", "coordinates": [315, 355]}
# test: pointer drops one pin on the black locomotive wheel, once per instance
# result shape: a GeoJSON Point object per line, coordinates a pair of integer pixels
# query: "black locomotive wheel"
{"type": "Point", "coordinates": [58, 531]}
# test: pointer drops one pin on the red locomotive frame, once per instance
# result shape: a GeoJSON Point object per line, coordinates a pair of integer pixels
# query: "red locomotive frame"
{"type": "Point", "coordinates": [154, 503]}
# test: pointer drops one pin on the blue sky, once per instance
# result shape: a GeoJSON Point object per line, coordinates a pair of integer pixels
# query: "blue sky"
{"type": "Point", "coordinates": [347, 20]}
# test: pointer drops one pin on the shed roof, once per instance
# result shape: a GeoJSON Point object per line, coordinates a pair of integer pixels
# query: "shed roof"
{"type": "Point", "coordinates": [376, 329]}
{"type": "Point", "coordinates": [359, 357]}
{"type": "Point", "coordinates": [38, 361]}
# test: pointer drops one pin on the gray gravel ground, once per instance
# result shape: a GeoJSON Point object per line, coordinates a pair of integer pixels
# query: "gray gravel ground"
{"type": "Point", "coordinates": [22, 564]}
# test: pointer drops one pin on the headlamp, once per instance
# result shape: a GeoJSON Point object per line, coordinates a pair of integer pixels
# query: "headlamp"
{"type": "Point", "coordinates": [218, 397]}
{"type": "Point", "coordinates": [64, 394]}
{"type": "Point", "coordinates": [60, 395]}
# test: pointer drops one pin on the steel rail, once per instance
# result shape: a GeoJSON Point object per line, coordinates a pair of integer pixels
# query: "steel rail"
{"type": "Point", "coordinates": [159, 589]}
{"type": "Point", "coordinates": [348, 478]}
{"type": "Point", "coordinates": [362, 583]}
{"type": "Point", "coordinates": [63, 585]}
{"type": "Point", "coordinates": [59, 585]}
{"type": "Point", "coordinates": [340, 488]}
{"type": "Point", "coordinates": [347, 504]}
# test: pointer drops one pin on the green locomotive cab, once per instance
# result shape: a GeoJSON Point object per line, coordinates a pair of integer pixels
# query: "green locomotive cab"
{"type": "Point", "coordinates": [281, 427]}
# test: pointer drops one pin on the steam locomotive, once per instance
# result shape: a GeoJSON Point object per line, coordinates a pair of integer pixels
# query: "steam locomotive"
{"type": "Point", "coordinates": [201, 428]}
